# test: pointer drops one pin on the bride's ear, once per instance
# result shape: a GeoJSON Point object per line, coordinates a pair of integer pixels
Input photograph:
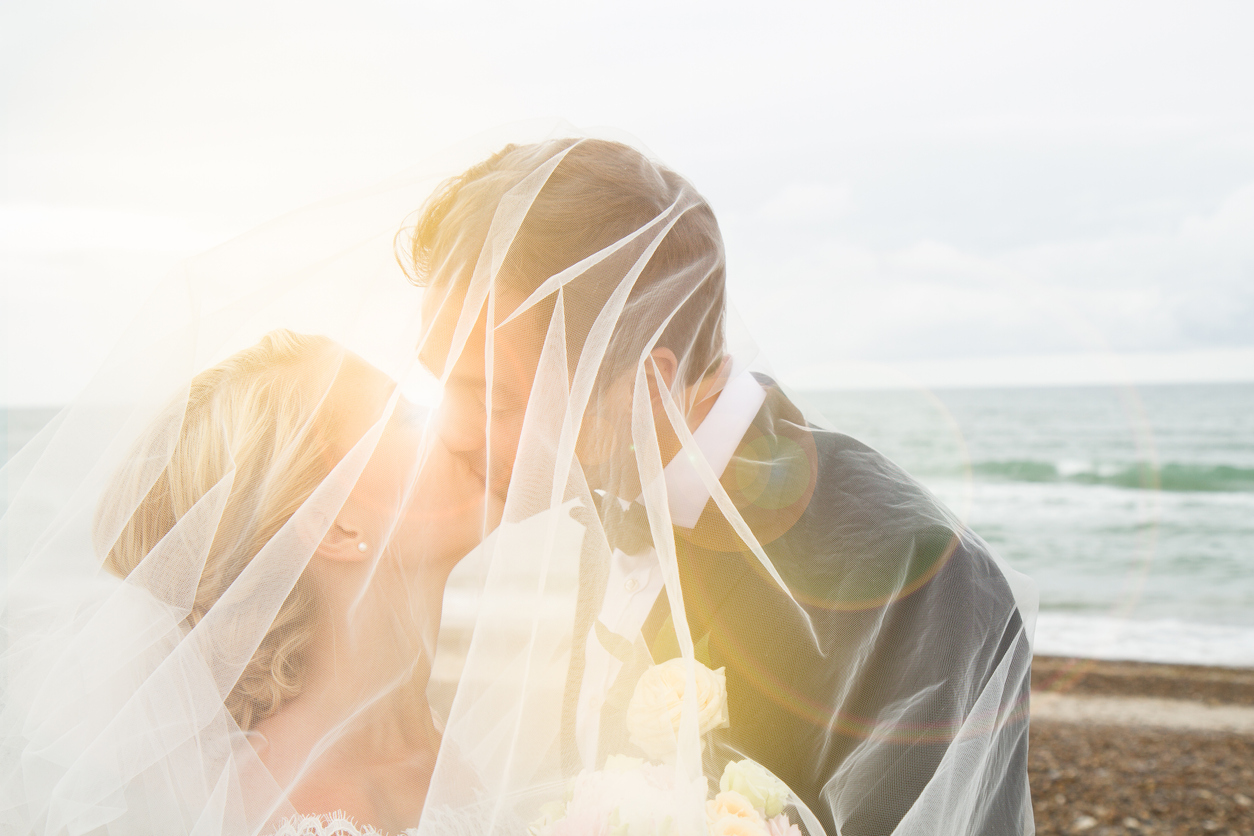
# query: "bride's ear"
{"type": "Point", "coordinates": [344, 544]}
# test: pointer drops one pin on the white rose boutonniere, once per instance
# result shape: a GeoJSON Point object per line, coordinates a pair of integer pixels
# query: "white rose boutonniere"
{"type": "Point", "coordinates": [657, 705]}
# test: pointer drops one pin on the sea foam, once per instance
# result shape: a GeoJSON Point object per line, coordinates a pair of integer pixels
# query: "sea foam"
{"type": "Point", "coordinates": [1166, 640]}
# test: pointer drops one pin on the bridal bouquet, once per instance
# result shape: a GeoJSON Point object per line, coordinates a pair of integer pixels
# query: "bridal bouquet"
{"type": "Point", "coordinates": [634, 797]}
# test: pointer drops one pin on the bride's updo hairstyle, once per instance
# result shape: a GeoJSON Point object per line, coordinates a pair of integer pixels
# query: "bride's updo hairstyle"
{"type": "Point", "coordinates": [260, 422]}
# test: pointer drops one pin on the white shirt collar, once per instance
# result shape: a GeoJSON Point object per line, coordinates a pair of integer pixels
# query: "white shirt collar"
{"type": "Point", "coordinates": [717, 438]}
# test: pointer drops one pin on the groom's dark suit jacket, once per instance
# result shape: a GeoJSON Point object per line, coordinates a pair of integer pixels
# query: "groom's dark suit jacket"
{"type": "Point", "coordinates": [911, 614]}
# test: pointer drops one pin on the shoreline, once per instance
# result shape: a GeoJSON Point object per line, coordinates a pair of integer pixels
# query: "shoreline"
{"type": "Point", "coordinates": [1141, 748]}
{"type": "Point", "coordinates": [1213, 685]}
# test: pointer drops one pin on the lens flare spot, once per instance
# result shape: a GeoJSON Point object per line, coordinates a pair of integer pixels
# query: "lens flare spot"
{"type": "Point", "coordinates": [772, 472]}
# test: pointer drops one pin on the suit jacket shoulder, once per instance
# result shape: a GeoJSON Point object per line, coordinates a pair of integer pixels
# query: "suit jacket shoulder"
{"type": "Point", "coordinates": [893, 614]}
{"type": "Point", "coordinates": [840, 522]}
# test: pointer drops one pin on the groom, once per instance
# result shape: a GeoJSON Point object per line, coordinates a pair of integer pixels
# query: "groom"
{"type": "Point", "coordinates": [898, 641]}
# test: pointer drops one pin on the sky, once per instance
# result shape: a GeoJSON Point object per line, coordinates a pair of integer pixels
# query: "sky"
{"type": "Point", "coordinates": [937, 194]}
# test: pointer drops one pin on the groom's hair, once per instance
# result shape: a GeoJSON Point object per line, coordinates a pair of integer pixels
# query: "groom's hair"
{"type": "Point", "coordinates": [598, 194]}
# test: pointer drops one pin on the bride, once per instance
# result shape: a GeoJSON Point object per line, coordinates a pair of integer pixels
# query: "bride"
{"type": "Point", "coordinates": [332, 700]}
{"type": "Point", "coordinates": [337, 636]}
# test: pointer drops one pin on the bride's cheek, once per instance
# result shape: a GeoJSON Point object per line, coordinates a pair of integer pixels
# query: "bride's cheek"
{"type": "Point", "coordinates": [447, 490]}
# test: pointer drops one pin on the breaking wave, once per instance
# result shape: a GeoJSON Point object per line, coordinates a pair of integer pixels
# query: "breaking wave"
{"type": "Point", "coordinates": [1168, 477]}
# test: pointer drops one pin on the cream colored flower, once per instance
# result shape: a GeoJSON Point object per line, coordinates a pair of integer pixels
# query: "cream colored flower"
{"type": "Point", "coordinates": [730, 803]}
{"type": "Point", "coordinates": [756, 783]}
{"type": "Point", "coordinates": [656, 707]}
{"type": "Point", "coordinates": [737, 826]}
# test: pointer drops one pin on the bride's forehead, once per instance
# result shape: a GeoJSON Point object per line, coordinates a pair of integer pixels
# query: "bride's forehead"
{"type": "Point", "coordinates": [357, 381]}
{"type": "Point", "coordinates": [359, 396]}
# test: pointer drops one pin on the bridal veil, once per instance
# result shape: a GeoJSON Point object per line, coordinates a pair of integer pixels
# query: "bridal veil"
{"type": "Point", "coordinates": [702, 608]}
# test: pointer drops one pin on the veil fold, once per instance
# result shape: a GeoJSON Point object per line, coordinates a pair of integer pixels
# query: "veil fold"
{"type": "Point", "coordinates": [690, 604]}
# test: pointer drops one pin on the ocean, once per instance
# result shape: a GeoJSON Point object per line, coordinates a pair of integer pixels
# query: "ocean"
{"type": "Point", "coordinates": [1131, 508]}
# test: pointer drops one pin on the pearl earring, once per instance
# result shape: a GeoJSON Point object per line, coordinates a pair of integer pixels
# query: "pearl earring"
{"type": "Point", "coordinates": [361, 547]}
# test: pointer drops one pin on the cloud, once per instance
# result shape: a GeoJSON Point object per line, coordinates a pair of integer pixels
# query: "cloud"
{"type": "Point", "coordinates": [1077, 368]}
{"type": "Point", "coordinates": [50, 229]}
{"type": "Point", "coordinates": [1185, 289]}
{"type": "Point", "coordinates": [894, 181]}
{"type": "Point", "coordinates": [806, 204]}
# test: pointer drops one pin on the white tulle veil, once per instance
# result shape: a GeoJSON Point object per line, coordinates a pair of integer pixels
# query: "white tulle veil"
{"type": "Point", "coordinates": [817, 616]}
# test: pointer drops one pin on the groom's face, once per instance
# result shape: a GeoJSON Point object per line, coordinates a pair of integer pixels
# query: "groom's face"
{"type": "Point", "coordinates": [481, 427]}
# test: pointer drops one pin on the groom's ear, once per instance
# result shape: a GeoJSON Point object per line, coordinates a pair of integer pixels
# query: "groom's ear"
{"type": "Point", "coordinates": [666, 364]}
{"type": "Point", "coordinates": [343, 544]}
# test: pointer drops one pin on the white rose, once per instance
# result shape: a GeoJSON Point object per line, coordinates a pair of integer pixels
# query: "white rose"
{"type": "Point", "coordinates": [756, 783]}
{"type": "Point", "coordinates": [657, 705]}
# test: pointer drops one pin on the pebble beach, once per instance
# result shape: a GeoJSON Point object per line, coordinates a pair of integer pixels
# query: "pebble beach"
{"type": "Point", "coordinates": [1141, 748]}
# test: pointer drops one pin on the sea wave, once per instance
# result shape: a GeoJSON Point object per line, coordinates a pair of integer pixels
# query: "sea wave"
{"type": "Point", "coordinates": [1168, 477]}
{"type": "Point", "coordinates": [1172, 641]}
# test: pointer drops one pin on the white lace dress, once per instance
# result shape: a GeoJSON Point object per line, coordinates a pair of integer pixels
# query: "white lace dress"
{"type": "Point", "coordinates": [330, 824]}
{"type": "Point", "coordinates": [473, 820]}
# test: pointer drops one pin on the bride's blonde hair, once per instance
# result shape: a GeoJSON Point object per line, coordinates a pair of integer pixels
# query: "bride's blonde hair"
{"type": "Point", "coordinates": [263, 413]}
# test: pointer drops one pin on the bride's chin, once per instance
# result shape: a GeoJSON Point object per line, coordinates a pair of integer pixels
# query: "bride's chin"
{"type": "Point", "coordinates": [472, 529]}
